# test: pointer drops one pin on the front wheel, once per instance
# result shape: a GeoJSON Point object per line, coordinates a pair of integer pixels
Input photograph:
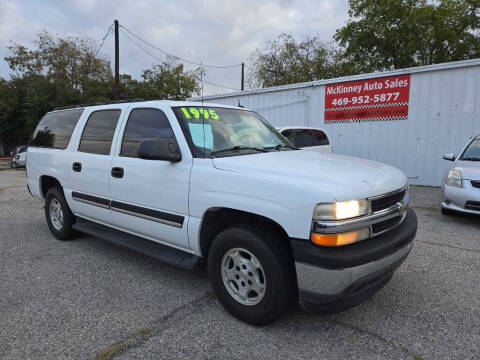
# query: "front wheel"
{"type": "Point", "coordinates": [251, 270]}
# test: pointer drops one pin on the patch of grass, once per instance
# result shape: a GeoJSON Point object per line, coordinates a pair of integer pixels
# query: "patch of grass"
{"type": "Point", "coordinates": [120, 347]}
{"type": "Point", "coordinates": [110, 352]}
{"type": "Point", "coordinates": [143, 332]}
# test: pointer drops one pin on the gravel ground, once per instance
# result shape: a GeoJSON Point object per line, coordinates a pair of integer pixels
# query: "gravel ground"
{"type": "Point", "coordinates": [88, 299]}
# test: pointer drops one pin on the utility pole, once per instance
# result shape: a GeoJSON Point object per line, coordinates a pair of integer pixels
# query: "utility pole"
{"type": "Point", "coordinates": [243, 76]}
{"type": "Point", "coordinates": [116, 91]}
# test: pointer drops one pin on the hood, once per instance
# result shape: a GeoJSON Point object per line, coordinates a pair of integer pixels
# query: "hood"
{"type": "Point", "coordinates": [470, 169]}
{"type": "Point", "coordinates": [345, 177]}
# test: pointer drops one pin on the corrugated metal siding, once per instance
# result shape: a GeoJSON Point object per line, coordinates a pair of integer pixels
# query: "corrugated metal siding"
{"type": "Point", "coordinates": [443, 114]}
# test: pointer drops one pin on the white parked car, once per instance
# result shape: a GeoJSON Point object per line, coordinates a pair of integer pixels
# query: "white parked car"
{"type": "Point", "coordinates": [461, 187]}
{"type": "Point", "coordinates": [191, 184]}
{"type": "Point", "coordinates": [19, 157]}
{"type": "Point", "coordinates": [307, 138]}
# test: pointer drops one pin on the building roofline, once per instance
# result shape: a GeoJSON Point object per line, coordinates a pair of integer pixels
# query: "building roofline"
{"type": "Point", "coordinates": [411, 70]}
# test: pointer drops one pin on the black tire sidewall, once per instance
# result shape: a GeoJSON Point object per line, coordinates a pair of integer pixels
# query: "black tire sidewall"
{"type": "Point", "coordinates": [68, 219]}
{"type": "Point", "coordinates": [279, 287]}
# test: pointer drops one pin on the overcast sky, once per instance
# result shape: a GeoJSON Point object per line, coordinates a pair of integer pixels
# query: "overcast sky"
{"type": "Point", "coordinates": [218, 32]}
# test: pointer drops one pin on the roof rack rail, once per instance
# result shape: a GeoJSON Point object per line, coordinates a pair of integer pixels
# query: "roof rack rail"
{"type": "Point", "coordinates": [98, 103]}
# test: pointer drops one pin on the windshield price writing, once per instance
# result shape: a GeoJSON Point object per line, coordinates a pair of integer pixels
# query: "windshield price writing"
{"type": "Point", "coordinates": [197, 112]}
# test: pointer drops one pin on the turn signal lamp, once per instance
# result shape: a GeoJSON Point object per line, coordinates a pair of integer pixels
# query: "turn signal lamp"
{"type": "Point", "coordinates": [340, 239]}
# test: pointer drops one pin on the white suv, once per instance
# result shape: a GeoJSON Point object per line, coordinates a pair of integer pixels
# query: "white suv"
{"type": "Point", "coordinates": [190, 184]}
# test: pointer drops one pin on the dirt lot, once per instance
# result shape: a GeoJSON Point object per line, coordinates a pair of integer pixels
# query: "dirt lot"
{"type": "Point", "coordinates": [88, 299]}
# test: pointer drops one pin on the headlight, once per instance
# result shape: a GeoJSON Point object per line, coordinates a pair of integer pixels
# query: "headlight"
{"type": "Point", "coordinates": [454, 178]}
{"type": "Point", "coordinates": [341, 210]}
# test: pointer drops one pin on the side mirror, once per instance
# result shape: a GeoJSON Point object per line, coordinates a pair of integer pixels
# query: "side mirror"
{"type": "Point", "coordinates": [449, 156]}
{"type": "Point", "coordinates": [159, 149]}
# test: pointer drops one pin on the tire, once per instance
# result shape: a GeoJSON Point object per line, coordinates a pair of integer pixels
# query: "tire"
{"type": "Point", "coordinates": [60, 228]}
{"type": "Point", "coordinates": [448, 212]}
{"type": "Point", "coordinates": [276, 264]}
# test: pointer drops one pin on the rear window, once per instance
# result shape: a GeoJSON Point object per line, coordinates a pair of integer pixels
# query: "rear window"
{"type": "Point", "coordinates": [320, 138]}
{"type": "Point", "coordinates": [55, 129]}
{"type": "Point", "coordinates": [306, 137]}
{"type": "Point", "coordinates": [299, 137]}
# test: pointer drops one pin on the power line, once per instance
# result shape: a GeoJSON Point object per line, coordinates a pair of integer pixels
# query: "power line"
{"type": "Point", "coordinates": [104, 38]}
{"type": "Point", "coordinates": [161, 60]}
{"type": "Point", "coordinates": [177, 57]}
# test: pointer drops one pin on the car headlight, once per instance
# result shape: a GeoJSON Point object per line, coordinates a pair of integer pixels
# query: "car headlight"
{"type": "Point", "coordinates": [454, 178]}
{"type": "Point", "coordinates": [341, 210]}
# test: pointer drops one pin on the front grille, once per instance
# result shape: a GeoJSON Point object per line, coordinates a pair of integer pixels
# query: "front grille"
{"type": "Point", "coordinates": [475, 183]}
{"type": "Point", "coordinates": [472, 205]}
{"type": "Point", "coordinates": [387, 200]}
{"type": "Point", "coordinates": [385, 225]}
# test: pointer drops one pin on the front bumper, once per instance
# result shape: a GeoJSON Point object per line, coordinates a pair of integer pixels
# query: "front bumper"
{"type": "Point", "coordinates": [335, 279]}
{"type": "Point", "coordinates": [456, 198]}
{"type": "Point", "coordinates": [18, 163]}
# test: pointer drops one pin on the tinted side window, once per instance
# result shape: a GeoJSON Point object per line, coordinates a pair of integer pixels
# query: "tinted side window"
{"type": "Point", "coordinates": [289, 134]}
{"type": "Point", "coordinates": [144, 124]}
{"type": "Point", "coordinates": [55, 129]}
{"type": "Point", "coordinates": [98, 132]}
{"type": "Point", "coordinates": [303, 138]}
{"type": "Point", "coordinates": [319, 138]}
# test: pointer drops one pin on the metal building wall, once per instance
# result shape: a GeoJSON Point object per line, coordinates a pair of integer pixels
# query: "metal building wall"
{"type": "Point", "coordinates": [444, 112]}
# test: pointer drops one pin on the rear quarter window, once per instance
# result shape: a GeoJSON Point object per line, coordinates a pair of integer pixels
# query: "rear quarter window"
{"type": "Point", "coordinates": [55, 129]}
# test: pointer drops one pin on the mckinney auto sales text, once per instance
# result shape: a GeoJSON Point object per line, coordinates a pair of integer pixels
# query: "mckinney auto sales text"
{"type": "Point", "coordinates": [367, 86]}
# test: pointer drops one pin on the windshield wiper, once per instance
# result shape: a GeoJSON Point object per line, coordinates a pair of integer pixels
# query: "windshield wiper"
{"type": "Point", "coordinates": [236, 148]}
{"type": "Point", "coordinates": [279, 146]}
{"type": "Point", "coordinates": [471, 159]}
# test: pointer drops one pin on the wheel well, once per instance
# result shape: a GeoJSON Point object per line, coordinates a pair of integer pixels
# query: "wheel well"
{"type": "Point", "coordinates": [47, 182]}
{"type": "Point", "coordinates": [217, 219]}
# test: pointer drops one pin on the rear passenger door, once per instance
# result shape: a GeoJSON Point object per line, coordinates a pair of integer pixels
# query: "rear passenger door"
{"type": "Point", "coordinates": [90, 166]}
{"type": "Point", "coordinates": [149, 197]}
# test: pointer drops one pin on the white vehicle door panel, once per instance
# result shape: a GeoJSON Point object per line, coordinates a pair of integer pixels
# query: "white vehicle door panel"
{"type": "Point", "coordinates": [90, 181]}
{"type": "Point", "coordinates": [151, 199]}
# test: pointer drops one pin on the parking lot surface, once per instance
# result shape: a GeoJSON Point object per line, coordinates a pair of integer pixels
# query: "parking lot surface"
{"type": "Point", "coordinates": [89, 299]}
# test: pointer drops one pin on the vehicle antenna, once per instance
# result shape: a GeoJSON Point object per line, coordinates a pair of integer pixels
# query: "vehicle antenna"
{"type": "Point", "coordinates": [203, 110]}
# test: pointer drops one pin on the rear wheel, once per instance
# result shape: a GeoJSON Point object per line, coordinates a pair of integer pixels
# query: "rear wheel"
{"type": "Point", "coordinates": [59, 217]}
{"type": "Point", "coordinates": [251, 270]}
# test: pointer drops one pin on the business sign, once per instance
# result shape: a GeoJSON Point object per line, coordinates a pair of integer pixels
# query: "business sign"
{"type": "Point", "coordinates": [383, 98]}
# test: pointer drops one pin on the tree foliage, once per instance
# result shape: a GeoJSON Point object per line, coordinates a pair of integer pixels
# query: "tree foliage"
{"type": "Point", "coordinates": [379, 35]}
{"type": "Point", "coordinates": [63, 71]}
{"type": "Point", "coordinates": [393, 34]}
{"type": "Point", "coordinates": [167, 80]}
{"type": "Point", "coordinates": [286, 61]}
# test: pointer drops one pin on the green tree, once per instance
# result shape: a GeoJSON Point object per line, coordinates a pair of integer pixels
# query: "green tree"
{"type": "Point", "coordinates": [286, 61]}
{"type": "Point", "coordinates": [71, 63]}
{"type": "Point", "coordinates": [63, 71]}
{"type": "Point", "coordinates": [167, 80]}
{"type": "Point", "coordinates": [393, 34]}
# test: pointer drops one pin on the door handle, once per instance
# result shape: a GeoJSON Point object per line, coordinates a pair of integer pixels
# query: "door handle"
{"type": "Point", "coordinates": [77, 167]}
{"type": "Point", "coordinates": [117, 172]}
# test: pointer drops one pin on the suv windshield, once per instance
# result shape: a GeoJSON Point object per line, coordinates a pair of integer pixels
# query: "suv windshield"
{"type": "Point", "coordinates": [216, 132]}
{"type": "Point", "coordinates": [472, 152]}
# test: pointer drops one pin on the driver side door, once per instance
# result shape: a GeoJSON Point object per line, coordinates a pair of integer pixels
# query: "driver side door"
{"type": "Point", "coordinates": [149, 197]}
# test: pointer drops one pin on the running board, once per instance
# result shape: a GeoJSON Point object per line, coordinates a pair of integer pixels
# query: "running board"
{"type": "Point", "coordinates": [157, 251]}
